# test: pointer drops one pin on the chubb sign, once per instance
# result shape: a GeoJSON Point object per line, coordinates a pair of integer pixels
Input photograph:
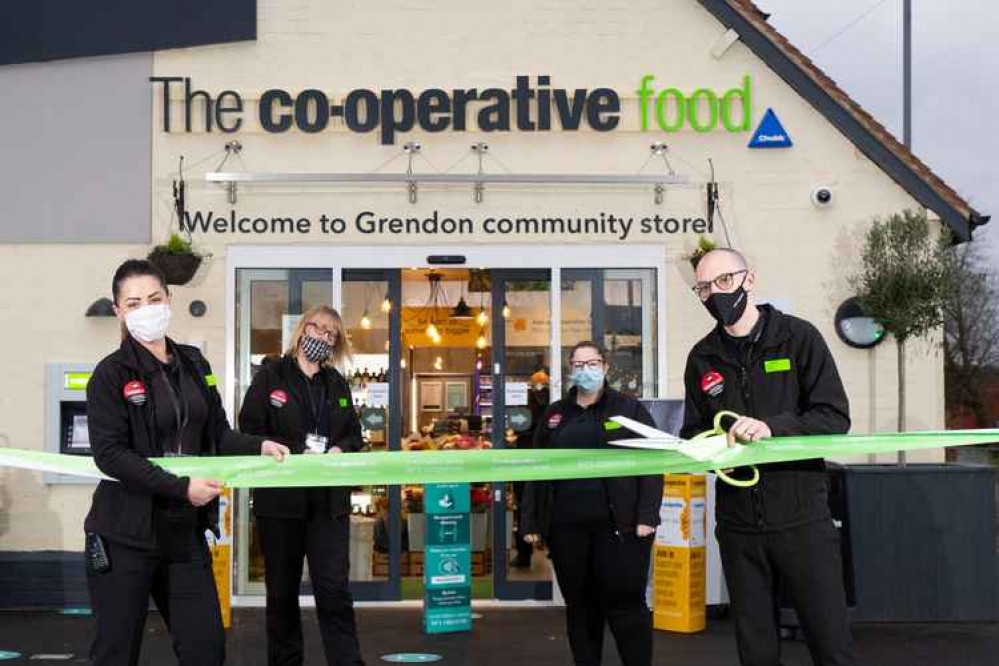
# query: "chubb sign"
{"type": "Point", "coordinates": [533, 104]}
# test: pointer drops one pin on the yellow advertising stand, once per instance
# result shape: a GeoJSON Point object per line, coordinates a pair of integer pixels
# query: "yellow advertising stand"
{"type": "Point", "coordinates": [221, 550]}
{"type": "Point", "coordinates": [679, 569]}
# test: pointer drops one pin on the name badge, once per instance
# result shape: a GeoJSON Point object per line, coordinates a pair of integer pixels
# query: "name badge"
{"type": "Point", "coordinates": [315, 443]}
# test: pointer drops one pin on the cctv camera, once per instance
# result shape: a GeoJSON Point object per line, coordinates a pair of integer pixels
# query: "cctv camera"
{"type": "Point", "coordinates": [822, 196]}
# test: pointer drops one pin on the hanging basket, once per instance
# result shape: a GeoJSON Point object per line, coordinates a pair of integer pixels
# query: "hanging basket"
{"type": "Point", "coordinates": [178, 269]}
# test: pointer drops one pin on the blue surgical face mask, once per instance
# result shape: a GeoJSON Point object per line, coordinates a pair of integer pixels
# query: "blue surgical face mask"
{"type": "Point", "coordinates": [588, 379]}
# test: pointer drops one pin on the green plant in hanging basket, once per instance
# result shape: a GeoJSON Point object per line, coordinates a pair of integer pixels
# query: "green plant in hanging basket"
{"type": "Point", "coordinates": [177, 259]}
{"type": "Point", "coordinates": [704, 245]}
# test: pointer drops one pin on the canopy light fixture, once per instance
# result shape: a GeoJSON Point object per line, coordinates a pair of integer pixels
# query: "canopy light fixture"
{"type": "Point", "coordinates": [413, 180]}
{"type": "Point", "coordinates": [478, 181]}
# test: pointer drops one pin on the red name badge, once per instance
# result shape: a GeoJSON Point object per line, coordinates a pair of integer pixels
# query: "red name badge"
{"type": "Point", "coordinates": [279, 398]}
{"type": "Point", "coordinates": [135, 392]}
{"type": "Point", "coordinates": [713, 383]}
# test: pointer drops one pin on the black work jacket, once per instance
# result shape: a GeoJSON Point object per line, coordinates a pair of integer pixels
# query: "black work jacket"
{"type": "Point", "coordinates": [274, 407]}
{"type": "Point", "coordinates": [788, 380]}
{"type": "Point", "coordinates": [632, 500]}
{"type": "Point", "coordinates": [123, 435]}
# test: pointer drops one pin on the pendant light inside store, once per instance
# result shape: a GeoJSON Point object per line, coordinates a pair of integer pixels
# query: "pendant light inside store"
{"type": "Point", "coordinates": [386, 304]}
{"type": "Point", "coordinates": [461, 311]}
{"type": "Point", "coordinates": [481, 341]}
{"type": "Point", "coordinates": [365, 320]}
{"type": "Point", "coordinates": [435, 301]}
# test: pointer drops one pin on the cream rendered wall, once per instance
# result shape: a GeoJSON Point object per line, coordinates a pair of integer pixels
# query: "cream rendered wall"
{"type": "Point", "coordinates": [802, 254]}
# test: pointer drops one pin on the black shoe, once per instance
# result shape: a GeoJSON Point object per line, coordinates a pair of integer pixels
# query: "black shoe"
{"type": "Point", "coordinates": [521, 563]}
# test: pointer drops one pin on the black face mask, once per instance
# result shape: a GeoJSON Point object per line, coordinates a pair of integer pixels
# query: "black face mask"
{"type": "Point", "coordinates": [728, 308]}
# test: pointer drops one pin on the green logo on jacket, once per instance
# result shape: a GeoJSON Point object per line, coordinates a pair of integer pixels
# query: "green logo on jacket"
{"type": "Point", "coordinates": [611, 425]}
{"type": "Point", "coordinates": [777, 365]}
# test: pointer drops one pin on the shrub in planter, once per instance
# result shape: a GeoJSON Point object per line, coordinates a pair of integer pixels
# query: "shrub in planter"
{"type": "Point", "coordinates": [177, 259]}
{"type": "Point", "coordinates": [704, 245]}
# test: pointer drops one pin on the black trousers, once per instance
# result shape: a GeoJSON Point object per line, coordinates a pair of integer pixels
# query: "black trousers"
{"type": "Point", "coordinates": [524, 549]}
{"type": "Point", "coordinates": [603, 578]}
{"type": "Point", "coordinates": [184, 592]}
{"type": "Point", "coordinates": [805, 562]}
{"type": "Point", "coordinates": [325, 541]}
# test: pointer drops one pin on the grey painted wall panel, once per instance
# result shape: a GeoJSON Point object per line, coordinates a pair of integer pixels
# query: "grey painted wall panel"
{"type": "Point", "coordinates": [75, 149]}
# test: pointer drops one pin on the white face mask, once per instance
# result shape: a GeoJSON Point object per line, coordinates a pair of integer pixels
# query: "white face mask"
{"type": "Point", "coordinates": [149, 323]}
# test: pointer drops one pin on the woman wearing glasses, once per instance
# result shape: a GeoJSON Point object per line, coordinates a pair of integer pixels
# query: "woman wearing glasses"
{"type": "Point", "coordinates": [303, 401]}
{"type": "Point", "coordinates": [599, 531]}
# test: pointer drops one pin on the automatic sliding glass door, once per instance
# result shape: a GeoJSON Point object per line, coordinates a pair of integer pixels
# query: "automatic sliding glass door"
{"type": "Point", "coordinates": [269, 303]}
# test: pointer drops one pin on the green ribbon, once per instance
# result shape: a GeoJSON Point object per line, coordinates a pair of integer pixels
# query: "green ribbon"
{"type": "Point", "coordinates": [405, 467]}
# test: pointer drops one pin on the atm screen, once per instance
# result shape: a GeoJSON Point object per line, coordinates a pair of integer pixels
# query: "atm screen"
{"type": "Point", "coordinates": [75, 435]}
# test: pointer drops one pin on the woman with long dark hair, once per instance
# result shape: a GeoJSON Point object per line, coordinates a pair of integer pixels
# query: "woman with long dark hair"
{"type": "Point", "coordinates": [146, 530]}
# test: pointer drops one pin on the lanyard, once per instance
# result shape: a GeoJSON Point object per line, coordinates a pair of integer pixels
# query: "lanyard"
{"type": "Point", "coordinates": [316, 410]}
{"type": "Point", "coordinates": [180, 409]}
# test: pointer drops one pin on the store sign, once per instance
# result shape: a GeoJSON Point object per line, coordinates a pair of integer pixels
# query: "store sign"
{"type": "Point", "coordinates": [532, 105]}
{"type": "Point", "coordinates": [368, 224]}
{"type": "Point", "coordinates": [453, 332]}
{"type": "Point", "coordinates": [702, 110]}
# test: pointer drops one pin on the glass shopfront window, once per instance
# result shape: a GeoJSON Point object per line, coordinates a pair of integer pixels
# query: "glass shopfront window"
{"type": "Point", "coordinates": [445, 359]}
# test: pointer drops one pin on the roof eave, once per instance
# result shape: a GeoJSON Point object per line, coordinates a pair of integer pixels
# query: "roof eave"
{"type": "Point", "coordinates": [960, 221]}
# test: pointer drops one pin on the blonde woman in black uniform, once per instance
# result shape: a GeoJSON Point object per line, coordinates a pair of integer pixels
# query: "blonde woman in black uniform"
{"type": "Point", "coordinates": [146, 530]}
{"type": "Point", "coordinates": [303, 401]}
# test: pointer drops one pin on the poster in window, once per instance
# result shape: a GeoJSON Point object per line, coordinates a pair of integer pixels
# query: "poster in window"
{"type": "Point", "coordinates": [431, 396]}
{"type": "Point", "coordinates": [457, 396]}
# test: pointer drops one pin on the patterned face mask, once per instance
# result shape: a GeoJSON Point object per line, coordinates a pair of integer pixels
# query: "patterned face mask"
{"type": "Point", "coordinates": [316, 350]}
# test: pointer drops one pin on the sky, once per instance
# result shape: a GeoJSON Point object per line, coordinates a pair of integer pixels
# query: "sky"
{"type": "Point", "coordinates": [955, 108]}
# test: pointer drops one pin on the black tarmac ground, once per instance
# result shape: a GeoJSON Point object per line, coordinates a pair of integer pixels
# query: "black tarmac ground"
{"type": "Point", "coordinates": [502, 636]}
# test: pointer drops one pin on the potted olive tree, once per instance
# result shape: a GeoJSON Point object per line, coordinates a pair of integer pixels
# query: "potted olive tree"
{"type": "Point", "coordinates": [902, 282]}
{"type": "Point", "coordinates": [922, 537]}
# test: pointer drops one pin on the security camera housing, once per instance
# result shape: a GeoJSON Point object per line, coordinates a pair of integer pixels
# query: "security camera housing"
{"type": "Point", "coordinates": [822, 196]}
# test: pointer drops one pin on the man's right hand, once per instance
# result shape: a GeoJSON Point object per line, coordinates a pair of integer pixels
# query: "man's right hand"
{"type": "Point", "coordinates": [532, 538]}
{"type": "Point", "coordinates": [202, 491]}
